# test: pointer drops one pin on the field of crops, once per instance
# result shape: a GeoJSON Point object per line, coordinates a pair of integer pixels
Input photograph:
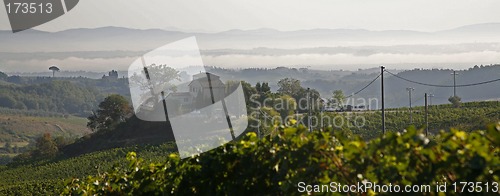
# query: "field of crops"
{"type": "Point", "coordinates": [47, 177]}
{"type": "Point", "coordinates": [277, 162]}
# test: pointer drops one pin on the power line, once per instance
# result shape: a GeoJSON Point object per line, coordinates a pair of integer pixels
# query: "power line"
{"type": "Point", "coordinates": [364, 87]}
{"type": "Point", "coordinates": [419, 99]}
{"type": "Point", "coordinates": [436, 85]}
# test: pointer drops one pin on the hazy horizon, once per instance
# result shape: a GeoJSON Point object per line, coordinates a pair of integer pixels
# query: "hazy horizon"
{"type": "Point", "coordinates": [374, 68]}
{"type": "Point", "coordinates": [100, 50]}
{"type": "Point", "coordinates": [172, 28]}
{"type": "Point", "coordinates": [324, 34]}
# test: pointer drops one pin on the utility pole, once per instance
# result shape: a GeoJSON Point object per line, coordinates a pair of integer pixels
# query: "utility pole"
{"type": "Point", "coordinates": [430, 98]}
{"type": "Point", "coordinates": [309, 110]}
{"type": "Point", "coordinates": [410, 89]}
{"type": "Point", "coordinates": [297, 115]}
{"type": "Point", "coordinates": [454, 83]}
{"type": "Point", "coordinates": [259, 134]}
{"type": "Point", "coordinates": [426, 117]}
{"type": "Point", "coordinates": [321, 117]}
{"type": "Point", "coordinates": [383, 106]}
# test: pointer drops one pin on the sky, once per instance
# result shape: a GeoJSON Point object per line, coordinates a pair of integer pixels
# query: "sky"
{"type": "Point", "coordinates": [221, 15]}
{"type": "Point", "coordinates": [284, 15]}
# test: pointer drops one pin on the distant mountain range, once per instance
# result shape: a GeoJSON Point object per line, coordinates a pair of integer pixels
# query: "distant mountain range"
{"type": "Point", "coordinates": [124, 39]}
{"type": "Point", "coordinates": [107, 48]}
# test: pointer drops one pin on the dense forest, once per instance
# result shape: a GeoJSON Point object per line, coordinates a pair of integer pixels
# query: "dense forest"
{"type": "Point", "coordinates": [71, 96]}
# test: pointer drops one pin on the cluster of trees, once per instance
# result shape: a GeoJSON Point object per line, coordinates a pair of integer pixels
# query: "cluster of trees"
{"type": "Point", "coordinates": [293, 88]}
{"type": "Point", "coordinates": [268, 109]}
{"type": "Point", "coordinates": [10, 148]}
{"type": "Point", "coordinates": [114, 110]}
{"type": "Point", "coordinates": [289, 88]}
{"type": "Point", "coordinates": [455, 101]}
{"type": "Point", "coordinates": [73, 95]}
{"type": "Point", "coordinates": [55, 96]}
{"type": "Point", "coordinates": [3, 76]}
{"type": "Point", "coordinates": [45, 147]}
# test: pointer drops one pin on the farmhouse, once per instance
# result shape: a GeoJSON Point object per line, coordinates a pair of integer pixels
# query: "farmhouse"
{"type": "Point", "coordinates": [204, 89]}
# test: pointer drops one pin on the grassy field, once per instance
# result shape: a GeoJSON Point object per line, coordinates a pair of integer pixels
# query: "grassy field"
{"type": "Point", "coordinates": [19, 130]}
{"type": "Point", "coordinates": [18, 144]}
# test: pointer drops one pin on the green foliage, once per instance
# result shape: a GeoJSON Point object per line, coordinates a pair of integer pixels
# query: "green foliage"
{"type": "Point", "coordinates": [3, 76]}
{"type": "Point", "coordinates": [54, 69]}
{"type": "Point", "coordinates": [339, 98]}
{"type": "Point", "coordinates": [7, 101]}
{"type": "Point", "coordinates": [32, 188]}
{"type": "Point", "coordinates": [455, 101]}
{"type": "Point", "coordinates": [22, 127]}
{"type": "Point", "coordinates": [112, 111]}
{"type": "Point", "coordinates": [289, 86]}
{"type": "Point", "coordinates": [46, 147]}
{"type": "Point", "coordinates": [71, 98]}
{"type": "Point", "coordinates": [47, 177]}
{"type": "Point", "coordinates": [285, 105]}
{"type": "Point", "coordinates": [470, 116]}
{"type": "Point", "coordinates": [269, 120]}
{"type": "Point", "coordinates": [275, 165]}
{"type": "Point", "coordinates": [161, 77]}
{"type": "Point", "coordinates": [258, 87]}
{"type": "Point", "coordinates": [292, 87]}
{"type": "Point", "coordinates": [8, 147]}
{"type": "Point", "coordinates": [263, 88]}
{"type": "Point", "coordinates": [26, 113]}
{"type": "Point", "coordinates": [5, 159]}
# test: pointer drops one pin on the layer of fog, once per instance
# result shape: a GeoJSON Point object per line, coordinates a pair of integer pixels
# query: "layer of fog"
{"type": "Point", "coordinates": [345, 61]}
